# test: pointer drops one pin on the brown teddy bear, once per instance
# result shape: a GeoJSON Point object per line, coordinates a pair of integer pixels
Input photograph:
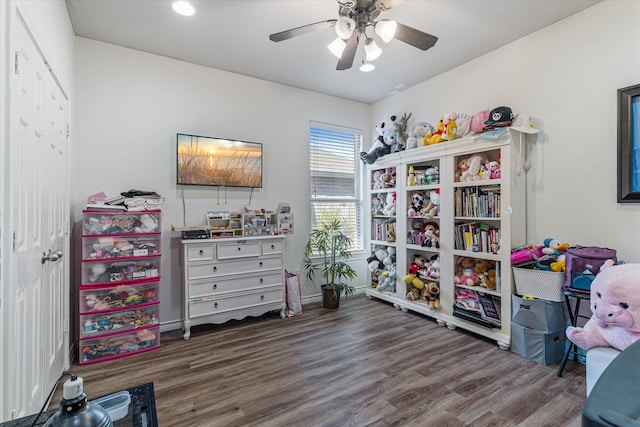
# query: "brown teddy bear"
{"type": "Point", "coordinates": [486, 273]}
{"type": "Point", "coordinates": [431, 295]}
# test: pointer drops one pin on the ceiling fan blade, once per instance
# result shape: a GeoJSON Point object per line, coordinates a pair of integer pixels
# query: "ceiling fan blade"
{"type": "Point", "coordinates": [415, 38]}
{"type": "Point", "coordinates": [348, 54]}
{"type": "Point", "coordinates": [298, 31]}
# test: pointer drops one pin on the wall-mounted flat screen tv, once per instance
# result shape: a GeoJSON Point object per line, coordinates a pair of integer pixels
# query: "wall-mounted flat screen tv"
{"type": "Point", "coordinates": [204, 160]}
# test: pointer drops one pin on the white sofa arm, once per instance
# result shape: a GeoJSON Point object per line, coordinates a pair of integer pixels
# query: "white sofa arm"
{"type": "Point", "coordinates": [598, 359]}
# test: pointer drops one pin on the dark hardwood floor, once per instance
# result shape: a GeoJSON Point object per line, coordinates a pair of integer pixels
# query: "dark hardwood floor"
{"type": "Point", "coordinates": [364, 364]}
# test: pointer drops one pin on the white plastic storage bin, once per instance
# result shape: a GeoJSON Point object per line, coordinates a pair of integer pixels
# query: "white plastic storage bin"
{"type": "Point", "coordinates": [121, 271]}
{"type": "Point", "coordinates": [119, 320]}
{"type": "Point", "coordinates": [541, 284]}
{"type": "Point", "coordinates": [93, 300]}
{"type": "Point", "coordinates": [111, 247]}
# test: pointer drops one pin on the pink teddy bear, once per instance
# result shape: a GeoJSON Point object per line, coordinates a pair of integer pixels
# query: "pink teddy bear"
{"type": "Point", "coordinates": [615, 304]}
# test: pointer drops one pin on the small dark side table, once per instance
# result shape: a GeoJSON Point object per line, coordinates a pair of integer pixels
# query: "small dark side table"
{"type": "Point", "coordinates": [574, 315]}
{"type": "Point", "coordinates": [142, 411]}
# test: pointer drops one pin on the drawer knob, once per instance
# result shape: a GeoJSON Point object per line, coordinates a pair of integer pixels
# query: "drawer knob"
{"type": "Point", "coordinates": [215, 305]}
{"type": "Point", "coordinates": [239, 249]}
{"type": "Point", "coordinates": [261, 280]}
{"type": "Point", "coordinates": [201, 252]}
{"type": "Point", "coordinates": [261, 297]}
{"type": "Point", "coordinates": [273, 246]}
{"type": "Point", "coordinates": [215, 268]}
{"type": "Point", "coordinates": [215, 286]}
{"type": "Point", "coordinates": [260, 263]}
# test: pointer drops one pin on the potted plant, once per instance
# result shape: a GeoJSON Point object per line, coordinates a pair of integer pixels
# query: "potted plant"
{"type": "Point", "coordinates": [327, 252]}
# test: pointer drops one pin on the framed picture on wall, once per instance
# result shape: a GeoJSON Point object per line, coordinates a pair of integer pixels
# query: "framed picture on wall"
{"type": "Point", "coordinates": [629, 144]}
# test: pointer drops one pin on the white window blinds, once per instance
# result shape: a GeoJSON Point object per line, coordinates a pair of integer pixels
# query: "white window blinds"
{"type": "Point", "coordinates": [336, 174]}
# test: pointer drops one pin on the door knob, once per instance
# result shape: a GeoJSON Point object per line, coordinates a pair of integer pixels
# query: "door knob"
{"type": "Point", "coordinates": [50, 256]}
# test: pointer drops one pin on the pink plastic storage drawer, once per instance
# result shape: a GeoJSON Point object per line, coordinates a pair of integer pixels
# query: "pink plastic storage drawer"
{"type": "Point", "coordinates": [112, 247]}
{"type": "Point", "coordinates": [114, 346]}
{"type": "Point", "coordinates": [121, 320]}
{"type": "Point", "coordinates": [104, 273]}
{"type": "Point", "coordinates": [98, 299]}
{"type": "Point", "coordinates": [101, 222]}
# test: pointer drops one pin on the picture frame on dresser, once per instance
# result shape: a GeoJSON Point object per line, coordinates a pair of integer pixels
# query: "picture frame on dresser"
{"type": "Point", "coordinates": [629, 144]}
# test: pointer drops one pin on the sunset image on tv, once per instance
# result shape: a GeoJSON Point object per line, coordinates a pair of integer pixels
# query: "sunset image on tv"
{"type": "Point", "coordinates": [216, 161]}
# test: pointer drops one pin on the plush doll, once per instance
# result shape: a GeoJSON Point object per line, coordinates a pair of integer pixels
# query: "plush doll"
{"type": "Point", "coordinates": [376, 260]}
{"type": "Point", "coordinates": [486, 271]}
{"type": "Point", "coordinates": [450, 127]}
{"type": "Point", "coordinates": [463, 165]}
{"type": "Point", "coordinates": [432, 207]}
{"type": "Point", "coordinates": [387, 281]}
{"type": "Point", "coordinates": [474, 168]}
{"type": "Point", "coordinates": [615, 304]}
{"type": "Point", "coordinates": [431, 235]}
{"type": "Point", "coordinates": [431, 295]}
{"type": "Point", "coordinates": [417, 134]}
{"type": "Point", "coordinates": [476, 123]}
{"type": "Point", "coordinates": [493, 169]}
{"type": "Point", "coordinates": [380, 146]}
{"type": "Point", "coordinates": [465, 273]}
{"type": "Point", "coordinates": [389, 205]}
{"type": "Point", "coordinates": [400, 130]}
{"type": "Point", "coordinates": [388, 178]}
{"type": "Point", "coordinates": [417, 203]}
{"type": "Point", "coordinates": [417, 269]}
{"type": "Point", "coordinates": [376, 182]}
{"type": "Point", "coordinates": [433, 270]}
{"type": "Point", "coordinates": [434, 137]}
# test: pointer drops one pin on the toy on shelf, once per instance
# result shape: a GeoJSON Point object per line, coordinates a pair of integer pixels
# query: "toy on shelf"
{"type": "Point", "coordinates": [432, 207]}
{"type": "Point", "coordinates": [382, 144]}
{"type": "Point", "coordinates": [417, 134]}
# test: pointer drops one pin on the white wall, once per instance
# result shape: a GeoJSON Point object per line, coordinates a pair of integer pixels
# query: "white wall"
{"type": "Point", "coordinates": [566, 77]}
{"type": "Point", "coordinates": [129, 107]}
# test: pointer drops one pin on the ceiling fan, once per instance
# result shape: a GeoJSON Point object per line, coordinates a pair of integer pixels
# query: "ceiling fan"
{"type": "Point", "coordinates": [355, 17]}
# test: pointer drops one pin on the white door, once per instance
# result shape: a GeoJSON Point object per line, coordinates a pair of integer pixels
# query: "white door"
{"type": "Point", "coordinates": [39, 295]}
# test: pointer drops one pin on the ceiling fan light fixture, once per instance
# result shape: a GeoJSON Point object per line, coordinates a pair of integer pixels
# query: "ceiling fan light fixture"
{"type": "Point", "coordinates": [337, 47]}
{"type": "Point", "coordinates": [386, 29]}
{"type": "Point", "coordinates": [183, 7]}
{"type": "Point", "coordinates": [366, 67]}
{"type": "Point", "coordinates": [345, 27]}
{"type": "Point", "coordinates": [371, 49]}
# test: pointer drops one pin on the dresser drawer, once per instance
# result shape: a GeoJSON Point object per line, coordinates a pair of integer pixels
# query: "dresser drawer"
{"type": "Point", "coordinates": [200, 252]}
{"type": "Point", "coordinates": [238, 250]}
{"type": "Point", "coordinates": [213, 305]}
{"type": "Point", "coordinates": [273, 247]}
{"type": "Point", "coordinates": [204, 270]}
{"type": "Point", "coordinates": [234, 284]}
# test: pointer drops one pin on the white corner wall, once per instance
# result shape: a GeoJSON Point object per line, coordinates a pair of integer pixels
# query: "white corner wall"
{"type": "Point", "coordinates": [129, 107]}
{"type": "Point", "coordinates": [566, 77]}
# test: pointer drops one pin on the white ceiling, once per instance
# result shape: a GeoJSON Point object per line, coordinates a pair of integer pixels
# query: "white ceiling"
{"type": "Point", "coordinates": [233, 35]}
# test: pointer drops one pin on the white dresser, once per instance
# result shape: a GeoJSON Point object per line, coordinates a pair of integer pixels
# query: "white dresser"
{"type": "Point", "coordinates": [232, 278]}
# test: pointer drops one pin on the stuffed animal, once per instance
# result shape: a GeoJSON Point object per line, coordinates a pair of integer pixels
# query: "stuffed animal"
{"type": "Point", "coordinates": [486, 271]}
{"type": "Point", "coordinates": [431, 234]}
{"type": "Point", "coordinates": [433, 270]}
{"type": "Point", "coordinates": [450, 127]}
{"type": "Point", "coordinates": [380, 146]}
{"type": "Point", "coordinates": [465, 273]}
{"type": "Point", "coordinates": [431, 295]}
{"type": "Point", "coordinates": [376, 181]}
{"type": "Point", "coordinates": [389, 208]}
{"type": "Point", "coordinates": [434, 137]}
{"type": "Point", "coordinates": [476, 123]}
{"type": "Point", "coordinates": [417, 203]}
{"type": "Point", "coordinates": [376, 260]}
{"type": "Point", "coordinates": [400, 130]}
{"type": "Point", "coordinates": [417, 269]}
{"type": "Point", "coordinates": [387, 280]}
{"type": "Point", "coordinates": [417, 134]}
{"type": "Point", "coordinates": [388, 178]}
{"type": "Point", "coordinates": [432, 207]}
{"type": "Point", "coordinates": [431, 175]}
{"type": "Point", "coordinates": [615, 304]}
{"type": "Point", "coordinates": [474, 168]}
{"type": "Point", "coordinates": [493, 169]}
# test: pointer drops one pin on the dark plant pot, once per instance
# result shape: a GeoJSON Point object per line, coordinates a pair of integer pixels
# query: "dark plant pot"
{"type": "Point", "coordinates": [329, 298]}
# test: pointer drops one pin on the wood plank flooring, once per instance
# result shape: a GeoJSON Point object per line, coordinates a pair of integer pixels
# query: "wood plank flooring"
{"type": "Point", "coordinates": [365, 364]}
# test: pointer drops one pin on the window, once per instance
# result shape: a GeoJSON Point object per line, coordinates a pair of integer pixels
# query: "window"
{"type": "Point", "coordinates": [336, 176]}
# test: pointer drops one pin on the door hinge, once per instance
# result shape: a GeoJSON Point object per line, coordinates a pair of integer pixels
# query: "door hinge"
{"type": "Point", "coordinates": [15, 240]}
{"type": "Point", "coordinates": [18, 68]}
{"type": "Point", "coordinates": [68, 130]}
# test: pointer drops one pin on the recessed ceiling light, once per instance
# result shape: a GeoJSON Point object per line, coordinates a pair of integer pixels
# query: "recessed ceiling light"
{"type": "Point", "coordinates": [183, 7]}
